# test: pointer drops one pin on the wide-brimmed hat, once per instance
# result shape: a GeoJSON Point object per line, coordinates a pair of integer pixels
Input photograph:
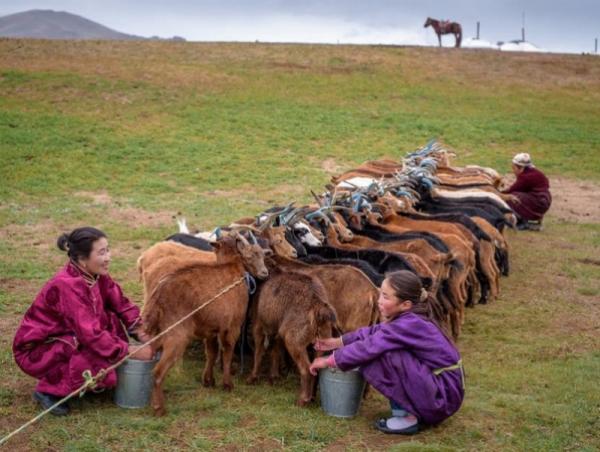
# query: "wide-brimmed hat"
{"type": "Point", "coordinates": [522, 159]}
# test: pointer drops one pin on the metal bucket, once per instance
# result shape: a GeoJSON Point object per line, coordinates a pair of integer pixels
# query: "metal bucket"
{"type": "Point", "coordinates": [134, 383]}
{"type": "Point", "coordinates": [341, 392]}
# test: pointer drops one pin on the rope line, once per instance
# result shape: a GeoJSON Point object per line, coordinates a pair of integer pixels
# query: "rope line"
{"type": "Point", "coordinates": [91, 381]}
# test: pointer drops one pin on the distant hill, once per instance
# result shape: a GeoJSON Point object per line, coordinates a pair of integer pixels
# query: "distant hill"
{"type": "Point", "coordinates": [48, 24]}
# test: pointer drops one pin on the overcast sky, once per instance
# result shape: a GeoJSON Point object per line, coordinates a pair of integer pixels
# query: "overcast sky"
{"type": "Point", "coordinates": [555, 25]}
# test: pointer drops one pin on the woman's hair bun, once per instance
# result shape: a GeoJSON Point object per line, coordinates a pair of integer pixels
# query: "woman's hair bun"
{"type": "Point", "coordinates": [63, 242]}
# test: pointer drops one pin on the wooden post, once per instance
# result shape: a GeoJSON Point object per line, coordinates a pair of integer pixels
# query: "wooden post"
{"type": "Point", "coordinates": [596, 46]}
{"type": "Point", "coordinates": [523, 28]}
{"type": "Point", "coordinates": [478, 32]}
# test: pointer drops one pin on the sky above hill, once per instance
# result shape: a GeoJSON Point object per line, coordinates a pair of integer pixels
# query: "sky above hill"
{"type": "Point", "coordinates": [555, 25]}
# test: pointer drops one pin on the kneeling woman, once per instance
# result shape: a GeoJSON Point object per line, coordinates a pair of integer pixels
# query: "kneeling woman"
{"type": "Point", "coordinates": [76, 322]}
{"type": "Point", "coordinates": [408, 358]}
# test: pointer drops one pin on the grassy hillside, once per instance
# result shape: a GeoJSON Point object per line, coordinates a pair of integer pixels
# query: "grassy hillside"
{"type": "Point", "coordinates": [125, 135]}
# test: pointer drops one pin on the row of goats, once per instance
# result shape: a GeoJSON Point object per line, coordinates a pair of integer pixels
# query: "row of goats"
{"type": "Point", "coordinates": [320, 265]}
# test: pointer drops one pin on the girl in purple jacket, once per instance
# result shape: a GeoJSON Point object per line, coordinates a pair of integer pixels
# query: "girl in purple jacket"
{"type": "Point", "coordinates": [76, 323]}
{"type": "Point", "coordinates": [408, 358]}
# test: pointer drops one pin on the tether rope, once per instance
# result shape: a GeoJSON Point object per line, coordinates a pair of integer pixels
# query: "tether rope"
{"type": "Point", "coordinates": [91, 381]}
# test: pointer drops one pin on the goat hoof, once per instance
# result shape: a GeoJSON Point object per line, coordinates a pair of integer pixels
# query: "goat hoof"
{"type": "Point", "coordinates": [208, 382]}
{"type": "Point", "coordinates": [302, 402]}
{"type": "Point", "coordinates": [228, 387]}
{"type": "Point", "coordinates": [251, 380]}
{"type": "Point", "coordinates": [159, 412]}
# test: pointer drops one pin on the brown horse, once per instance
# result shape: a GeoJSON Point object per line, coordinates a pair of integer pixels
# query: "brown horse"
{"type": "Point", "coordinates": [444, 27]}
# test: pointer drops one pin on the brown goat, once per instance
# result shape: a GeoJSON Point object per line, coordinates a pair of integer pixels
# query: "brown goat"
{"type": "Point", "coordinates": [349, 291]}
{"type": "Point", "coordinates": [165, 257]}
{"type": "Point", "coordinates": [290, 309]}
{"type": "Point", "coordinates": [185, 289]}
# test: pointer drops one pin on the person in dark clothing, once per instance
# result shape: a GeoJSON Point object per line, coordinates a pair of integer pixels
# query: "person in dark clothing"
{"type": "Point", "coordinates": [530, 194]}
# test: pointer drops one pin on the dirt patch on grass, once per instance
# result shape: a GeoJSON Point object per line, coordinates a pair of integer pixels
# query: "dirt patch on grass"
{"type": "Point", "coordinates": [575, 201]}
{"type": "Point", "coordinates": [572, 200]}
{"type": "Point", "coordinates": [98, 198]}
{"type": "Point", "coordinates": [134, 217]}
{"type": "Point", "coordinates": [330, 166]}
{"type": "Point", "coordinates": [235, 193]}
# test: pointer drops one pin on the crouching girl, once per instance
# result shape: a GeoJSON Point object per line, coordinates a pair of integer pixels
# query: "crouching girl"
{"type": "Point", "coordinates": [408, 358]}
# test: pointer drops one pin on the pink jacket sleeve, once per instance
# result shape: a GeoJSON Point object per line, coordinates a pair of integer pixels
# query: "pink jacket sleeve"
{"type": "Point", "coordinates": [117, 302]}
{"type": "Point", "coordinates": [80, 316]}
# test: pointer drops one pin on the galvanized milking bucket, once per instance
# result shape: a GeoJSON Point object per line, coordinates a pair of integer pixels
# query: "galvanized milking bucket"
{"type": "Point", "coordinates": [341, 392]}
{"type": "Point", "coordinates": [134, 383]}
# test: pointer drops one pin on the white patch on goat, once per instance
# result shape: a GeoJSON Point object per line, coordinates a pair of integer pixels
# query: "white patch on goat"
{"type": "Point", "coordinates": [183, 229]}
{"type": "Point", "coordinates": [209, 236]}
{"type": "Point", "coordinates": [361, 182]}
{"type": "Point", "coordinates": [489, 171]}
{"type": "Point", "coordinates": [306, 237]}
{"type": "Point", "coordinates": [470, 193]}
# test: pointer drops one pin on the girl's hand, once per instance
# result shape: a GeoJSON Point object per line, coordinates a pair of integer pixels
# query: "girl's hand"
{"type": "Point", "coordinates": [330, 343]}
{"type": "Point", "coordinates": [318, 363]}
{"type": "Point", "coordinates": [140, 353]}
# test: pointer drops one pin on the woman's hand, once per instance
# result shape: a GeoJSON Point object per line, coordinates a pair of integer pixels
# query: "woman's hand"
{"type": "Point", "coordinates": [141, 353]}
{"type": "Point", "coordinates": [142, 335]}
{"type": "Point", "coordinates": [330, 343]}
{"type": "Point", "coordinates": [318, 363]}
{"type": "Point", "coordinates": [510, 197]}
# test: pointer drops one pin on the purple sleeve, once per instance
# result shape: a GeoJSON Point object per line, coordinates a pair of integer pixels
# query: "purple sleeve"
{"type": "Point", "coordinates": [79, 315]}
{"type": "Point", "coordinates": [359, 334]}
{"type": "Point", "coordinates": [128, 312]}
{"type": "Point", "coordinates": [405, 332]}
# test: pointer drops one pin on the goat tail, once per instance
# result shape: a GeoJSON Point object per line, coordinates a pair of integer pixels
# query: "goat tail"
{"type": "Point", "coordinates": [139, 265]}
{"type": "Point", "coordinates": [152, 312]}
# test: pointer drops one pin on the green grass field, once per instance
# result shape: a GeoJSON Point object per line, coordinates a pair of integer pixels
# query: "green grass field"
{"type": "Point", "coordinates": [124, 135]}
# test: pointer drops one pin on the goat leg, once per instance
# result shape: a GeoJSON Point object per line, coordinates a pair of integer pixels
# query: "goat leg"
{"type": "Point", "coordinates": [300, 357]}
{"type": "Point", "coordinates": [211, 346]}
{"type": "Point", "coordinates": [172, 349]}
{"type": "Point", "coordinates": [228, 341]}
{"type": "Point", "coordinates": [276, 353]}
{"type": "Point", "coordinates": [259, 351]}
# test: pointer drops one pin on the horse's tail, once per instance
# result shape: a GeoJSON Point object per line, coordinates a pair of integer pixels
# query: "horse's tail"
{"type": "Point", "coordinates": [458, 35]}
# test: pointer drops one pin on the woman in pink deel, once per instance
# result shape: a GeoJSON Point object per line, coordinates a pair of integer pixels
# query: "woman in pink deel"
{"type": "Point", "coordinates": [79, 321]}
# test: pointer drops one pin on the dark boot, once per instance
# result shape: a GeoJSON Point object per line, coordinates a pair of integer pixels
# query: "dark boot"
{"type": "Point", "coordinates": [47, 400]}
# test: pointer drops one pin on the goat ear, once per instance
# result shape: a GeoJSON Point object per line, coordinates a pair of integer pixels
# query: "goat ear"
{"type": "Point", "coordinates": [268, 251]}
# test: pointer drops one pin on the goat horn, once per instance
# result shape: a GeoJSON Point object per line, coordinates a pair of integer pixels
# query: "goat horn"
{"type": "Point", "coordinates": [317, 198]}
{"type": "Point", "coordinates": [240, 237]}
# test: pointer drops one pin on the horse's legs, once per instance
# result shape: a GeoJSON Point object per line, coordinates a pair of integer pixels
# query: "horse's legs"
{"type": "Point", "coordinates": [439, 35]}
